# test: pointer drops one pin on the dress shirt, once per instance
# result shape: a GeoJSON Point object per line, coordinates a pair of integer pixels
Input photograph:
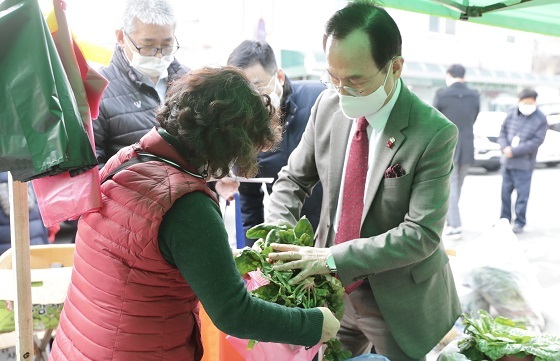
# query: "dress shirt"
{"type": "Point", "coordinates": [376, 124]}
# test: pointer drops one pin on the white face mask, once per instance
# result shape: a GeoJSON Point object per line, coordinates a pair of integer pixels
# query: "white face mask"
{"type": "Point", "coordinates": [355, 107]}
{"type": "Point", "coordinates": [150, 66]}
{"type": "Point", "coordinates": [527, 109]}
{"type": "Point", "coordinates": [275, 99]}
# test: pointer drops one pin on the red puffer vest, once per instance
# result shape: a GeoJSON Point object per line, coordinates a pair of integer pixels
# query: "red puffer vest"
{"type": "Point", "coordinates": [125, 302]}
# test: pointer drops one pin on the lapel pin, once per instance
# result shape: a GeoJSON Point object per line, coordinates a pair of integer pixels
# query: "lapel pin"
{"type": "Point", "coordinates": [390, 142]}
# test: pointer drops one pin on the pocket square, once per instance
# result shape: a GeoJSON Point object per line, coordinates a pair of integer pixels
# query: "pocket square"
{"type": "Point", "coordinates": [394, 171]}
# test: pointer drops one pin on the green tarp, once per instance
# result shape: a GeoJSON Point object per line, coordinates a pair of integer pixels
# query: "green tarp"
{"type": "Point", "coordinates": [41, 130]}
{"type": "Point", "coordinates": [536, 16]}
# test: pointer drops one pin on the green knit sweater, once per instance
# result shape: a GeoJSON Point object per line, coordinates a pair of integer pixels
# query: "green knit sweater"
{"type": "Point", "coordinates": [193, 223]}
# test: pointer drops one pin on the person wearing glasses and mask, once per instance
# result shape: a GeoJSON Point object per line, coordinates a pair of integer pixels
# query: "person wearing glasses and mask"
{"type": "Point", "coordinates": [384, 158]}
{"type": "Point", "coordinates": [141, 68]}
{"type": "Point", "coordinates": [293, 100]}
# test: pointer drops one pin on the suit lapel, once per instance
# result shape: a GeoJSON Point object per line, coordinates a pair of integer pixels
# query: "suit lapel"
{"type": "Point", "coordinates": [398, 120]}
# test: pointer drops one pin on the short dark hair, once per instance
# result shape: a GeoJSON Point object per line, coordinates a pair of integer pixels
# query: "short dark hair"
{"type": "Point", "coordinates": [528, 93]}
{"type": "Point", "coordinates": [220, 118]}
{"type": "Point", "coordinates": [251, 52]}
{"type": "Point", "coordinates": [383, 33]}
{"type": "Point", "coordinates": [456, 71]}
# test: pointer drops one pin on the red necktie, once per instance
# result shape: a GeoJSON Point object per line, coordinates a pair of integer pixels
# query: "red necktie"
{"type": "Point", "coordinates": [354, 188]}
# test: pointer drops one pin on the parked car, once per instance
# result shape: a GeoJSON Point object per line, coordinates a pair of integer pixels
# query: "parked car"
{"type": "Point", "coordinates": [487, 150]}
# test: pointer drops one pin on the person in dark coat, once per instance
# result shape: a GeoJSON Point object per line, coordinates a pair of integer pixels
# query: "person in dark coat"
{"type": "Point", "coordinates": [294, 101]}
{"type": "Point", "coordinates": [461, 105]}
{"type": "Point", "coordinates": [521, 135]}
{"type": "Point", "coordinates": [38, 233]}
{"type": "Point", "coordinates": [139, 73]}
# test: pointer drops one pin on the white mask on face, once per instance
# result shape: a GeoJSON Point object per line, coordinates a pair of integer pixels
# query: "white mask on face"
{"type": "Point", "coordinates": [275, 99]}
{"type": "Point", "coordinates": [150, 66]}
{"type": "Point", "coordinates": [527, 109]}
{"type": "Point", "coordinates": [355, 107]}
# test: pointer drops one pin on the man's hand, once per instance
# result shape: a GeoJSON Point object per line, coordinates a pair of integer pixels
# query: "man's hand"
{"type": "Point", "coordinates": [226, 188]}
{"type": "Point", "coordinates": [508, 152]}
{"type": "Point", "coordinates": [310, 260]}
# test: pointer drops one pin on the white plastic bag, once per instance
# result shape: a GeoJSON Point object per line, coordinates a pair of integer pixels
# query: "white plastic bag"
{"type": "Point", "coordinates": [495, 267]}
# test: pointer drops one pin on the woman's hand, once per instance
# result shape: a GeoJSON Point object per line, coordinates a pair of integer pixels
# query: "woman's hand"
{"type": "Point", "coordinates": [330, 324]}
{"type": "Point", "coordinates": [226, 188]}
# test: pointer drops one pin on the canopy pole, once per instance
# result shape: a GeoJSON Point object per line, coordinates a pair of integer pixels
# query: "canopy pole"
{"type": "Point", "coordinates": [21, 266]}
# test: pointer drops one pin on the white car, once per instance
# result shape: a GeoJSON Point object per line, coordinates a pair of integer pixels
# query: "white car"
{"type": "Point", "coordinates": [487, 150]}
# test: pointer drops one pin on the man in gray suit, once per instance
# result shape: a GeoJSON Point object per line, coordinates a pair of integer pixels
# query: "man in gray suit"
{"type": "Point", "coordinates": [402, 298]}
{"type": "Point", "coordinates": [461, 105]}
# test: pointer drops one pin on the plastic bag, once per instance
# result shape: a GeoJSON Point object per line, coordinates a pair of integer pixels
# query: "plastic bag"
{"type": "Point", "coordinates": [505, 291]}
{"type": "Point", "coordinates": [270, 351]}
{"type": "Point", "coordinates": [503, 282]}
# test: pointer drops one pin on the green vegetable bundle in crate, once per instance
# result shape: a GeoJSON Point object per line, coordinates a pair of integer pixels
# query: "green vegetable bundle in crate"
{"type": "Point", "coordinates": [313, 291]}
{"type": "Point", "coordinates": [502, 339]}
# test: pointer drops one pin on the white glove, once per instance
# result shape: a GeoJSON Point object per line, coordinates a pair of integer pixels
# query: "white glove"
{"type": "Point", "coordinates": [310, 260]}
{"type": "Point", "coordinates": [330, 324]}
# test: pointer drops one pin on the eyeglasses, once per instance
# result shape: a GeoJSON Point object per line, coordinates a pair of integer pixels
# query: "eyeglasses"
{"type": "Point", "coordinates": [152, 50]}
{"type": "Point", "coordinates": [261, 89]}
{"type": "Point", "coordinates": [326, 79]}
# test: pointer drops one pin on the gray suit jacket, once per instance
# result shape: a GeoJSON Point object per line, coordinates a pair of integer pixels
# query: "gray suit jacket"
{"type": "Point", "coordinates": [401, 253]}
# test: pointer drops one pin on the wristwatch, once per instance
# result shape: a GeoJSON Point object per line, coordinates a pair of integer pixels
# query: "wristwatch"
{"type": "Point", "coordinates": [329, 262]}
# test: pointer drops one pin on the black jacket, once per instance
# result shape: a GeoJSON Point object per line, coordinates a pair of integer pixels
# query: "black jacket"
{"type": "Point", "coordinates": [296, 108]}
{"type": "Point", "coordinates": [126, 112]}
{"type": "Point", "coordinates": [460, 105]}
{"type": "Point", "coordinates": [531, 131]}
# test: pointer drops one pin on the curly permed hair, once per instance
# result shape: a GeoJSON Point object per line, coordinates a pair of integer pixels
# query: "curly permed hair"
{"type": "Point", "coordinates": [221, 120]}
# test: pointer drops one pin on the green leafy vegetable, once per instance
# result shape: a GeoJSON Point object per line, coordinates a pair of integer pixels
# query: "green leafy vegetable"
{"type": "Point", "coordinates": [314, 291]}
{"type": "Point", "coordinates": [490, 339]}
{"type": "Point", "coordinates": [304, 227]}
{"type": "Point", "coordinates": [334, 351]}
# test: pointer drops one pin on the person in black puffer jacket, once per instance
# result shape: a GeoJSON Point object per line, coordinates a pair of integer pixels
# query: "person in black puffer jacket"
{"type": "Point", "coordinates": [38, 233]}
{"type": "Point", "coordinates": [142, 67]}
{"type": "Point", "coordinates": [139, 73]}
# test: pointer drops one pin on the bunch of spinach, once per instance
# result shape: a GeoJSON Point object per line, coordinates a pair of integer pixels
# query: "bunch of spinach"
{"type": "Point", "coordinates": [314, 291]}
{"type": "Point", "coordinates": [490, 339]}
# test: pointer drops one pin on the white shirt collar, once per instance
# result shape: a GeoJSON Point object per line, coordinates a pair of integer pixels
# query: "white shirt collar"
{"type": "Point", "coordinates": [378, 120]}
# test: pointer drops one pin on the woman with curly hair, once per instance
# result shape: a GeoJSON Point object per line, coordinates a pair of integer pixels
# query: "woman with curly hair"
{"type": "Point", "coordinates": [158, 245]}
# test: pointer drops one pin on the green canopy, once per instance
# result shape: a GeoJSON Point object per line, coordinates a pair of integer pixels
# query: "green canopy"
{"type": "Point", "coordinates": [536, 16]}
